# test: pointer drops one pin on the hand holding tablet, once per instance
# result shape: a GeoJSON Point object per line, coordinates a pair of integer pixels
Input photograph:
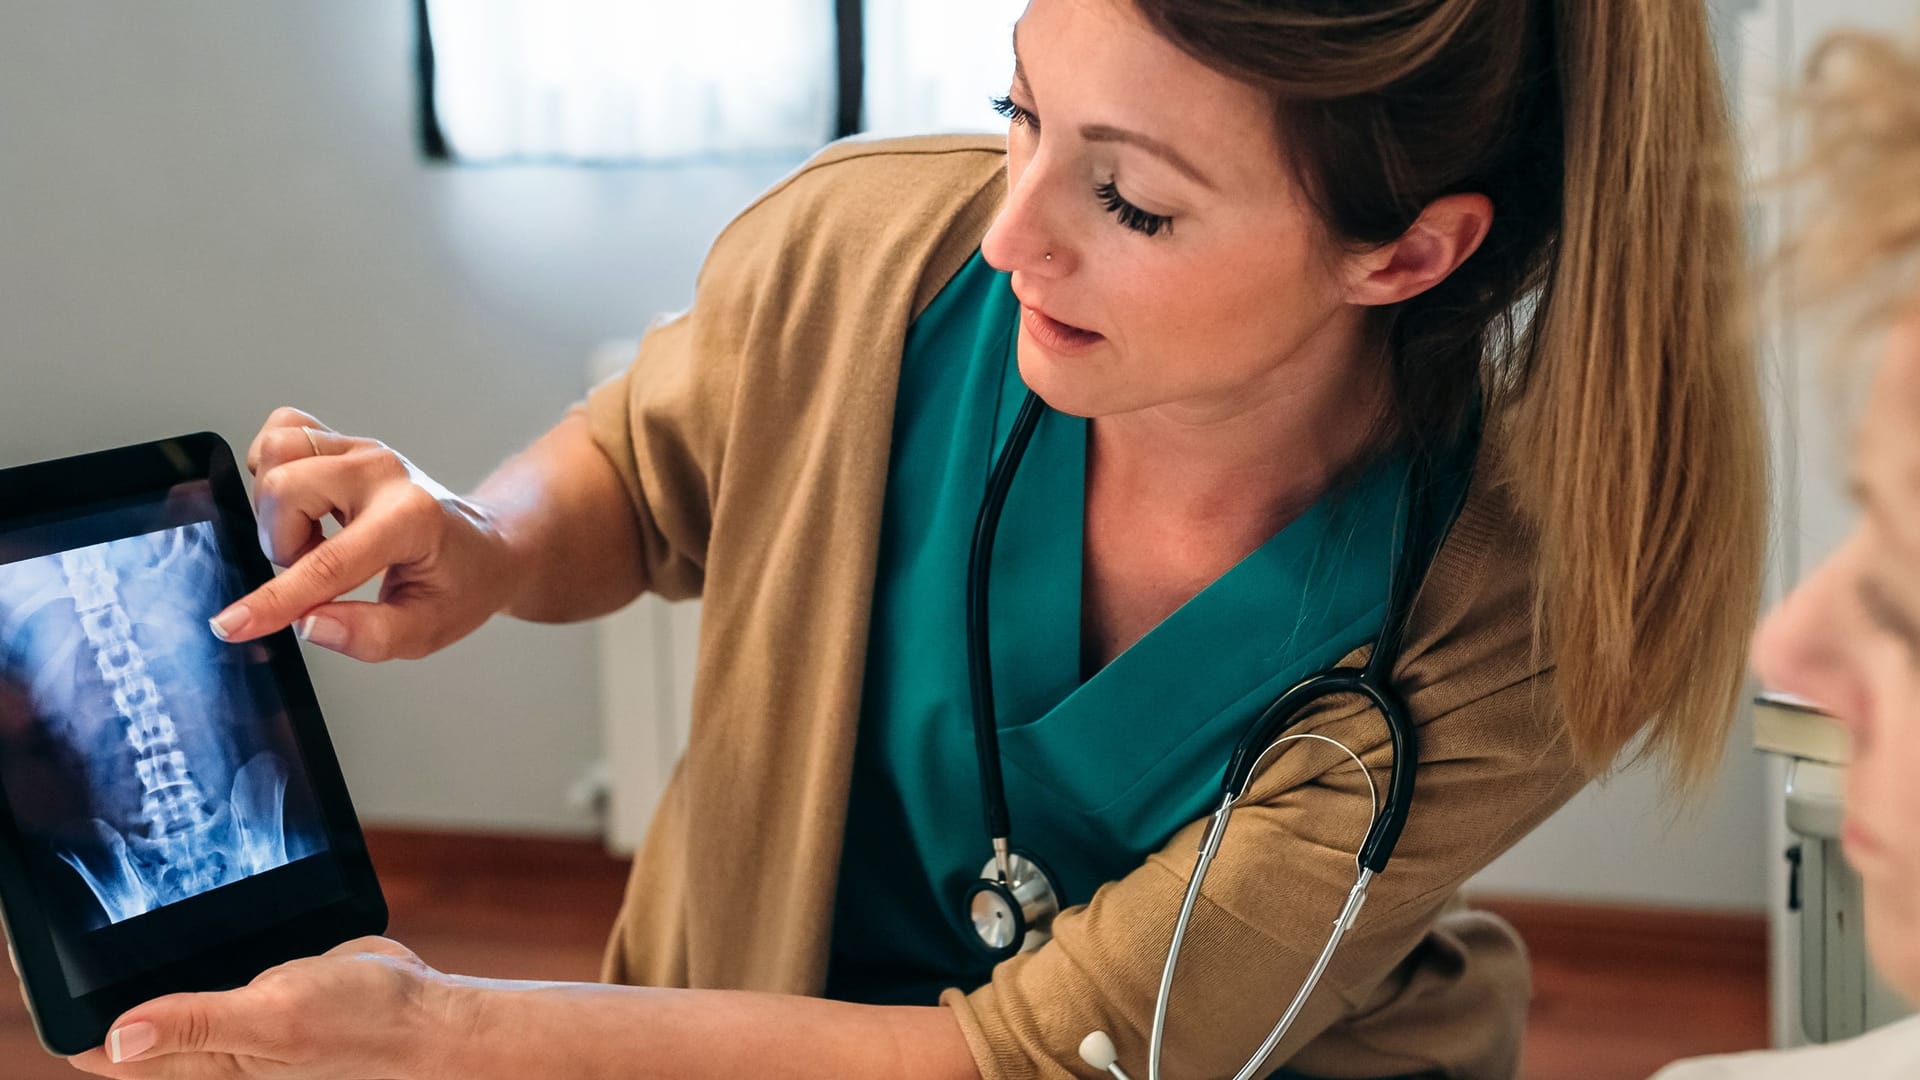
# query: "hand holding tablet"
{"type": "Point", "coordinates": [368, 1008]}
{"type": "Point", "coordinates": [172, 816]}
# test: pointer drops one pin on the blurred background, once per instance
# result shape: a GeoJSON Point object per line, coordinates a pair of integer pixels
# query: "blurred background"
{"type": "Point", "coordinates": [438, 223]}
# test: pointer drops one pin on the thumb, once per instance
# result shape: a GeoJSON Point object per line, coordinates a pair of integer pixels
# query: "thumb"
{"type": "Point", "coordinates": [177, 1024]}
{"type": "Point", "coordinates": [373, 632]}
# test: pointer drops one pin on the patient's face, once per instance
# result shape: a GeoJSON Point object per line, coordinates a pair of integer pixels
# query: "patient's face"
{"type": "Point", "coordinates": [1849, 639]}
{"type": "Point", "coordinates": [1210, 287]}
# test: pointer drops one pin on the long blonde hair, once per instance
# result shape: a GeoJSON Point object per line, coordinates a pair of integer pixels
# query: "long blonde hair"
{"type": "Point", "coordinates": [1603, 322]}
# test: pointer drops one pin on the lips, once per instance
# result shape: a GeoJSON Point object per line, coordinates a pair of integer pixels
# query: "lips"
{"type": "Point", "coordinates": [1056, 334]}
{"type": "Point", "coordinates": [1061, 323]}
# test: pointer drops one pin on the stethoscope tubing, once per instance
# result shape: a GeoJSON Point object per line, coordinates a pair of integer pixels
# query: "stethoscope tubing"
{"type": "Point", "coordinates": [1291, 707]}
{"type": "Point", "coordinates": [986, 731]}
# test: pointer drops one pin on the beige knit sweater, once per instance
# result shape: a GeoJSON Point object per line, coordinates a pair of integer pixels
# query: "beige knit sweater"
{"type": "Point", "coordinates": [753, 434]}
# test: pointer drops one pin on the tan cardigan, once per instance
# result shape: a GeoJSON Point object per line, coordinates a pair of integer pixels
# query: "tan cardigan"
{"type": "Point", "coordinates": [753, 434]}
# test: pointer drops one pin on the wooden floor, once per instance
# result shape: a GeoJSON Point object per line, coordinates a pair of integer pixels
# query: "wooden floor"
{"type": "Point", "coordinates": [1619, 992]}
{"type": "Point", "coordinates": [1616, 993]}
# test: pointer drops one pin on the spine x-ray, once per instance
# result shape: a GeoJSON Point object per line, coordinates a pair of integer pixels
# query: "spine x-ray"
{"type": "Point", "coordinates": [146, 754]}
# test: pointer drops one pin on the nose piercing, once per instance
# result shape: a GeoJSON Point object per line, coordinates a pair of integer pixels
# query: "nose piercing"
{"type": "Point", "coordinates": [1049, 256]}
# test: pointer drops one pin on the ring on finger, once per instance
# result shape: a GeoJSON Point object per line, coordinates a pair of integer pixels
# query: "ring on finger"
{"type": "Point", "coordinates": [308, 432]}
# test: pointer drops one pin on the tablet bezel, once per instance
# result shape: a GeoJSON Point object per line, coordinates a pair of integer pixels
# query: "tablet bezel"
{"type": "Point", "coordinates": [67, 1024]}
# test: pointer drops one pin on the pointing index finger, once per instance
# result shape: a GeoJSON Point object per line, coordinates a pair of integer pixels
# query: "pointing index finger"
{"type": "Point", "coordinates": [332, 569]}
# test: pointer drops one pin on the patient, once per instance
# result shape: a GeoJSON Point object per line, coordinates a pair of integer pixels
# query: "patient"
{"type": "Point", "coordinates": [1849, 637]}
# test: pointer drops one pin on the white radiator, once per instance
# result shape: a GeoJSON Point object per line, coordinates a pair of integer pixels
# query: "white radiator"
{"type": "Point", "coordinates": [646, 666]}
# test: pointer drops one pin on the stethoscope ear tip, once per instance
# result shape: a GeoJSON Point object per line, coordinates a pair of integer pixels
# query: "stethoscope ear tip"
{"type": "Point", "coordinates": [1097, 1050]}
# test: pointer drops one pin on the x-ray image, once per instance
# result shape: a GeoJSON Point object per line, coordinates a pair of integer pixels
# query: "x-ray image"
{"type": "Point", "coordinates": [147, 756]}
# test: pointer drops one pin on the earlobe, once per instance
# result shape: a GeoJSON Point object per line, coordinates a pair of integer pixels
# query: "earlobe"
{"type": "Point", "coordinates": [1445, 235]}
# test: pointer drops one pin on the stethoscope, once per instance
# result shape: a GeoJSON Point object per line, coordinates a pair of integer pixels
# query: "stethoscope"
{"type": "Point", "coordinates": [1013, 904]}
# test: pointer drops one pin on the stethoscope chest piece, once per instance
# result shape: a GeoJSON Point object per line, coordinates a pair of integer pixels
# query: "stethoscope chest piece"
{"type": "Point", "coordinates": [1015, 916]}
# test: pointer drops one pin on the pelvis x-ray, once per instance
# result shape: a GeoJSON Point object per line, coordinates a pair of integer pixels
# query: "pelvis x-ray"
{"type": "Point", "coordinates": [149, 757]}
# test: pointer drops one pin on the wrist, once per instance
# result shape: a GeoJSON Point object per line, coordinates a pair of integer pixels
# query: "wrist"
{"type": "Point", "coordinates": [437, 1037]}
{"type": "Point", "coordinates": [508, 558]}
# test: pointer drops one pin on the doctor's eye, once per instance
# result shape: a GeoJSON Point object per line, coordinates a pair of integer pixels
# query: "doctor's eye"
{"type": "Point", "coordinates": [1015, 115]}
{"type": "Point", "coordinates": [1130, 215]}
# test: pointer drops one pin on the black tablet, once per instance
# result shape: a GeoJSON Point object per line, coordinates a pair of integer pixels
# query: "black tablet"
{"type": "Point", "coordinates": [172, 816]}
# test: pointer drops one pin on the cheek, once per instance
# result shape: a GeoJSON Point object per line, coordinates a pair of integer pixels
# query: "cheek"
{"type": "Point", "coordinates": [1883, 795]}
{"type": "Point", "coordinates": [1228, 309]}
{"type": "Point", "coordinates": [1892, 726]}
{"type": "Point", "coordinates": [1886, 738]}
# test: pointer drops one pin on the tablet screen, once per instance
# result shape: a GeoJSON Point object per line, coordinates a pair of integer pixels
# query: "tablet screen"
{"type": "Point", "coordinates": [151, 769]}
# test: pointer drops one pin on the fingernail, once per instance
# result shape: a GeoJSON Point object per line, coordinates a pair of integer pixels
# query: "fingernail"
{"type": "Point", "coordinates": [127, 1043]}
{"type": "Point", "coordinates": [322, 631]}
{"type": "Point", "coordinates": [228, 621]}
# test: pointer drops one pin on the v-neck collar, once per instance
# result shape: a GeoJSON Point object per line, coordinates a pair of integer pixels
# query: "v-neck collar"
{"type": "Point", "coordinates": [1307, 596]}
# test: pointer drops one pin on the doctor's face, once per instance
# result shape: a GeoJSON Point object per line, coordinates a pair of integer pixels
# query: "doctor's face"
{"type": "Point", "coordinates": [1849, 639]}
{"type": "Point", "coordinates": [1160, 248]}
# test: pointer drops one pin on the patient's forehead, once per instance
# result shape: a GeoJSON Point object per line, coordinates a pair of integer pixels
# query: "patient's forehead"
{"type": "Point", "coordinates": [1888, 461]}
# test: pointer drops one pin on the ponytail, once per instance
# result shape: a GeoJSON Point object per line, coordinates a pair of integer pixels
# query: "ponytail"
{"type": "Point", "coordinates": [1639, 449]}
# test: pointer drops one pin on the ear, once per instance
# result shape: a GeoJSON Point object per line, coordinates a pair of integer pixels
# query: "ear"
{"type": "Point", "coordinates": [1447, 232]}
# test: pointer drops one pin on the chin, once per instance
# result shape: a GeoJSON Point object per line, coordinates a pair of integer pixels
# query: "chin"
{"type": "Point", "coordinates": [1087, 387]}
{"type": "Point", "coordinates": [1893, 938]}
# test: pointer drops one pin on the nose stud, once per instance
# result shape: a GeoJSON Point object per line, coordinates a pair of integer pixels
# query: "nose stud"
{"type": "Point", "coordinates": [1049, 256]}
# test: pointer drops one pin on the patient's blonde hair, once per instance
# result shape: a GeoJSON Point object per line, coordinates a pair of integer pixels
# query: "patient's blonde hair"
{"type": "Point", "coordinates": [1859, 241]}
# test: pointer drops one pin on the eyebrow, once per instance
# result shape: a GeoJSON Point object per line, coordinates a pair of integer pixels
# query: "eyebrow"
{"type": "Point", "coordinates": [1107, 133]}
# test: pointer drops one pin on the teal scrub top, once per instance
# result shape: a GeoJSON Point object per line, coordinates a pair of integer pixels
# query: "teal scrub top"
{"type": "Point", "coordinates": [1099, 773]}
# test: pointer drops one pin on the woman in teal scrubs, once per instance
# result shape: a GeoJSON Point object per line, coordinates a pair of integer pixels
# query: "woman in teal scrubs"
{"type": "Point", "coordinates": [1103, 765]}
{"type": "Point", "coordinates": [1254, 256]}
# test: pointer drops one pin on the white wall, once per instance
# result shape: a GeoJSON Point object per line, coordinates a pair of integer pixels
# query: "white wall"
{"type": "Point", "coordinates": [211, 208]}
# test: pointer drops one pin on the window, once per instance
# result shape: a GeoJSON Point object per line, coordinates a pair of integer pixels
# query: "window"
{"type": "Point", "coordinates": [934, 66]}
{"type": "Point", "coordinates": [629, 80]}
{"type": "Point", "coordinates": [640, 81]}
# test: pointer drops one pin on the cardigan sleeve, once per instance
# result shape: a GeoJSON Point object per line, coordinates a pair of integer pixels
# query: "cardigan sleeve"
{"type": "Point", "coordinates": [662, 424]}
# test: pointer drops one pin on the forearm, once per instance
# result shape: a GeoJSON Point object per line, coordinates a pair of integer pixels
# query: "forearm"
{"type": "Point", "coordinates": [567, 523]}
{"type": "Point", "coordinates": [481, 1029]}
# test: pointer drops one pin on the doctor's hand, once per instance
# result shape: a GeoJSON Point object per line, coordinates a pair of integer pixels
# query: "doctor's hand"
{"type": "Point", "coordinates": [444, 558]}
{"type": "Point", "coordinates": [359, 1011]}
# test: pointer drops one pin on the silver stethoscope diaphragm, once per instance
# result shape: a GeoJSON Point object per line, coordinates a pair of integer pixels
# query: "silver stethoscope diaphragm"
{"type": "Point", "coordinates": [1015, 915]}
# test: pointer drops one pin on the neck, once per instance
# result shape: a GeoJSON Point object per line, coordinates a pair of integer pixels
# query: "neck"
{"type": "Point", "coordinates": [1250, 464]}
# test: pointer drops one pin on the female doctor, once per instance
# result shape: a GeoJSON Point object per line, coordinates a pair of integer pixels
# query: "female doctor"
{"type": "Point", "coordinates": [1303, 293]}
